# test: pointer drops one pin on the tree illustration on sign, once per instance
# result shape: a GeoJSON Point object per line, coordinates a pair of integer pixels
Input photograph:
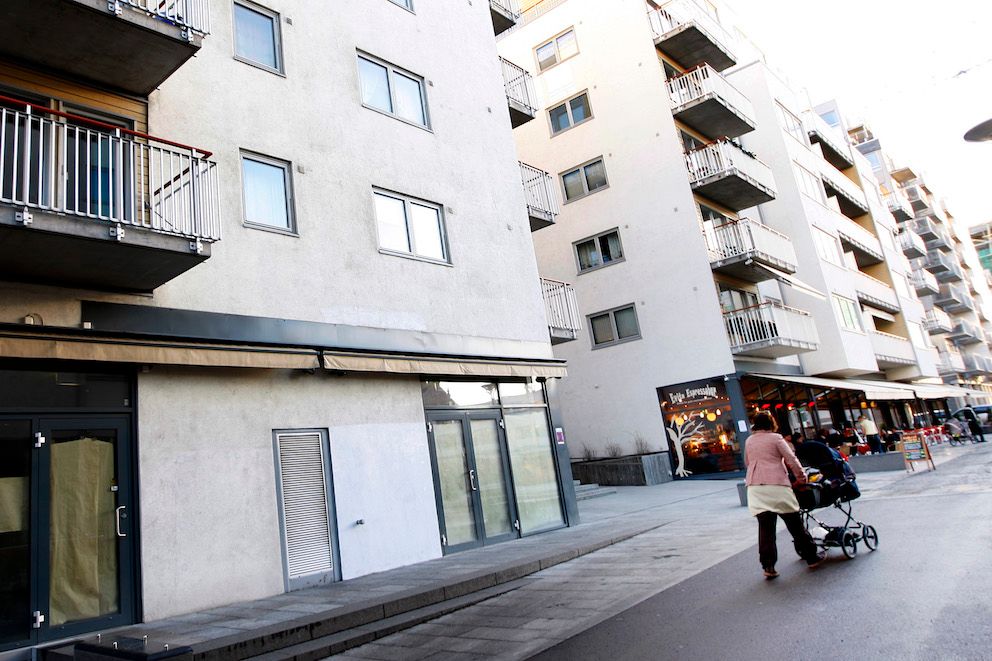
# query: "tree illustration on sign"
{"type": "Point", "coordinates": [683, 430]}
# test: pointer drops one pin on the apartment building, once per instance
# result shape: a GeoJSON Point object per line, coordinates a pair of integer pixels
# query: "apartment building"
{"type": "Point", "coordinates": [947, 272]}
{"type": "Point", "coordinates": [270, 314]}
{"type": "Point", "coordinates": [981, 236]}
{"type": "Point", "coordinates": [729, 251]}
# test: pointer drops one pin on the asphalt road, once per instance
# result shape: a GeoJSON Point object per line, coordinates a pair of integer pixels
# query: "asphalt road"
{"type": "Point", "coordinates": [926, 593]}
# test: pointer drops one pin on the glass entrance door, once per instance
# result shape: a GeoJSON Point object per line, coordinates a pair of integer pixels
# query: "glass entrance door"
{"type": "Point", "coordinates": [472, 479]}
{"type": "Point", "coordinates": [16, 443]}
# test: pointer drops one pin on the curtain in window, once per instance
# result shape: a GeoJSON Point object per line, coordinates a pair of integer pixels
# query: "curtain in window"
{"type": "Point", "coordinates": [588, 255]}
{"type": "Point", "coordinates": [265, 194]}
{"type": "Point", "coordinates": [409, 99]}
{"type": "Point", "coordinates": [613, 245]}
{"type": "Point", "coordinates": [375, 85]}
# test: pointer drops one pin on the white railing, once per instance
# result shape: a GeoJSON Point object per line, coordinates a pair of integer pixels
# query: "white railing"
{"type": "Point", "coordinates": [856, 235]}
{"type": "Point", "coordinates": [964, 328]}
{"type": "Point", "coordinates": [923, 279]}
{"type": "Point", "coordinates": [892, 346]}
{"type": "Point", "coordinates": [703, 81]}
{"type": "Point", "coordinates": [925, 227]}
{"type": "Point", "coordinates": [876, 289]}
{"type": "Point", "coordinates": [519, 85]}
{"type": "Point", "coordinates": [950, 359]}
{"type": "Point", "coordinates": [677, 13]}
{"type": "Point", "coordinates": [744, 236]}
{"type": "Point", "coordinates": [840, 183]}
{"type": "Point", "coordinates": [977, 363]}
{"type": "Point", "coordinates": [911, 242]}
{"type": "Point", "coordinates": [767, 323]}
{"type": "Point", "coordinates": [539, 190]}
{"type": "Point", "coordinates": [896, 201]}
{"type": "Point", "coordinates": [828, 134]}
{"type": "Point", "coordinates": [936, 319]}
{"type": "Point", "coordinates": [191, 14]}
{"type": "Point", "coordinates": [724, 158]}
{"type": "Point", "coordinates": [561, 306]}
{"type": "Point", "coordinates": [955, 295]}
{"type": "Point", "coordinates": [508, 7]}
{"type": "Point", "coordinates": [61, 164]}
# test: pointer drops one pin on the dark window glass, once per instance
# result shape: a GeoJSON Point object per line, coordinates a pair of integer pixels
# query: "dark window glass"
{"type": "Point", "coordinates": [559, 118]}
{"type": "Point", "coordinates": [64, 390]}
{"type": "Point", "coordinates": [580, 108]}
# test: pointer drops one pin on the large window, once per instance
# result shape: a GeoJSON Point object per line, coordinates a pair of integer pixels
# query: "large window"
{"type": "Point", "coordinates": [601, 250]}
{"type": "Point", "coordinates": [410, 226]}
{"type": "Point", "coordinates": [585, 179]}
{"type": "Point", "coordinates": [614, 326]}
{"type": "Point", "coordinates": [847, 313]}
{"type": "Point", "coordinates": [809, 184]}
{"type": "Point", "coordinates": [573, 111]}
{"type": "Point", "coordinates": [256, 36]}
{"type": "Point", "coordinates": [392, 90]}
{"type": "Point", "coordinates": [554, 51]}
{"type": "Point", "coordinates": [267, 191]}
{"type": "Point", "coordinates": [827, 247]}
{"type": "Point", "coordinates": [792, 124]}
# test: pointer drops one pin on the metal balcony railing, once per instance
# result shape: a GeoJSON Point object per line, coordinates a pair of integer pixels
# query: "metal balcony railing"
{"type": "Point", "coordinates": [744, 236]}
{"type": "Point", "coordinates": [704, 81]}
{"type": "Point", "coordinates": [519, 86]}
{"type": "Point", "coordinates": [977, 364]}
{"type": "Point", "coordinates": [509, 7]}
{"type": "Point", "coordinates": [950, 360]}
{"type": "Point", "coordinates": [937, 321]}
{"type": "Point", "coordinates": [769, 323]}
{"type": "Point", "coordinates": [911, 243]}
{"type": "Point", "coordinates": [830, 136]}
{"type": "Point", "coordinates": [561, 307]}
{"type": "Point", "coordinates": [898, 205]}
{"type": "Point", "coordinates": [67, 164]}
{"type": "Point", "coordinates": [924, 281]}
{"type": "Point", "coordinates": [965, 332]}
{"type": "Point", "coordinates": [673, 15]}
{"type": "Point", "coordinates": [839, 182]}
{"type": "Point", "coordinates": [539, 191]}
{"type": "Point", "coordinates": [191, 14]}
{"type": "Point", "coordinates": [892, 348]}
{"type": "Point", "coordinates": [725, 158]}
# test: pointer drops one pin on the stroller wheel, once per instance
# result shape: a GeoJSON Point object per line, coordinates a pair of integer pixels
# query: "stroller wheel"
{"type": "Point", "coordinates": [870, 535]}
{"type": "Point", "coordinates": [849, 544]}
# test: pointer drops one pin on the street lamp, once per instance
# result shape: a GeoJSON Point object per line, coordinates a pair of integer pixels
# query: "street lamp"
{"type": "Point", "coordinates": [980, 133]}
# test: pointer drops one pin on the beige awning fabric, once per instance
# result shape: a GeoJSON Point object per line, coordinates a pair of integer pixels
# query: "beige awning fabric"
{"type": "Point", "coordinates": [117, 350]}
{"type": "Point", "coordinates": [408, 364]}
{"type": "Point", "coordinates": [794, 282]}
{"type": "Point", "coordinates": [942, 391]}
{"type": "Point", "coordinates": [885, 390]}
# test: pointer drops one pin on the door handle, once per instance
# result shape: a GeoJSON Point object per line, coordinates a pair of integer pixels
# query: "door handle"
{"type": "Point", "coordinates": [471, 480]}
{"type": "Point", "coordinates": [118, 515]}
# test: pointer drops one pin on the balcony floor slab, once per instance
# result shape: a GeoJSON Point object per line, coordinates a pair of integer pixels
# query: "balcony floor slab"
{"type": "Point", "coordinates": [690, 46]}
{"type": "Point", "coordinates": [711, 115]}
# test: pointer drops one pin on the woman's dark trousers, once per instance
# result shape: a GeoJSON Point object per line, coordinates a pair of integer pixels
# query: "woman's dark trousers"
{"type": "Point", "coordinates": [767, 549]}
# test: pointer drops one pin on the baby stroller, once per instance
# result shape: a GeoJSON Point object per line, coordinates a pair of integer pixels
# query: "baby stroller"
{"type": "Point", "coordinates": [830, 481]}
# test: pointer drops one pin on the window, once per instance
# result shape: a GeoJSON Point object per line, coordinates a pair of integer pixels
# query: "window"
{"type": "Point", "coordinates": [810, 184]}
{"type": "Point", "coordinates": [406, 4]}
{"type": "Point", "coordinates": [614, 326]}
{"type": "Point", "coordinates": [601, 250]}
{"type": "Point", "coordinates": [256, 36]}
{"type": "Point", "coordinates": [392, 90]}
{"type": "Point", "coordinates": [830, 117]}
{"type": "Point", "coordinates": [827, 248]}
{"type": "Point", "coordinates": [566, 115]}
{"type": "Point", "coordinates": [267, 190]}
{"type": "Point", "coordinates": [847, 313]}
{"type": "Point", "coordinates": [410, 226]}
{"type": "Point", "coordinates": [792, 124]}
{"type": "Point", "coordinates": [919, 338]}
{"type": "Point", "coordinates": [583, 180]}
{"type": "Point", "coordinates": [560, 48]}
{"type": "Point", "coordinates": [875, 158]}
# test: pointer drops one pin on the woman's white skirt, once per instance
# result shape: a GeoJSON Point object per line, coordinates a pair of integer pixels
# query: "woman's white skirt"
{"type": "Point", "coordinates": [771, 498]}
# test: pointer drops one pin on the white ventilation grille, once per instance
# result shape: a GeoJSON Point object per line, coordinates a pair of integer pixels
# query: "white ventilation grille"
{"type": "Point", "coordinates": [304, 504]}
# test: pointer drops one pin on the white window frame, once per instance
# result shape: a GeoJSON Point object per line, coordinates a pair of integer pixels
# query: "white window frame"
{"type": "Point", "coordinates": [391, 71]}
{"type": "Point", "coordinates": [280, 68]}
{"type": "Point", "coordinates": [558, 57]}
{"type": "Point", "coordinates": [823, 240]}
{"type": "Point", "coordinates": [805, 179]}
{"type": "Point", "coordinates": [568, 112]}
{"type": "Point", "coordinates": [407, 200]}
{"type": "Point", "coordinates": [792, 124]}
{"type": "Point", "coordinates": [596, 238]}
{"type": "Point", "coordinates": [585, 184]}
{"type": "Point", "coordinates": [613, 322]}
{"type": "Point", "coordinates": [287, 168]}
{"type": "Point", "coordinates": [852, 309]}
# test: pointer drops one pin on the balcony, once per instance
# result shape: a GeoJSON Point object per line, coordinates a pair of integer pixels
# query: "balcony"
{"type": "Point", "coordinates": [728, 175]}
{"type": "Point", "coordinates": [926, 228]}
{"type": "Point", "coordinates": [833, 145]}
{"type": "Point", "coordinates": [912, 244]}
{"type": "Point", "coordinates": [954, 299]}
{"type": "Point", "coordinates": [542, 200]}
{"type": "Point", "coordinates": [866, 247]}
{"type": "Point", "coordinates": [740, 248]}
{"type": "Point", "coordinates": [977, 365]}
{"type": "Point", "coordinates": [704, 100]}
{"type": "Point", "coordinates": [965, 332]}
{"type": "Point", "coordinates": [520, 94]}
{"type": "Point", "coordinates": [876, 293]}
{"type": "Point", "coordinates": [950, 361]}
{"type": "Point", "coordinates": [505, 14]}
{"type": "Point", "coordinates": [690, 36]}
{"type": "Point", "coordinates": [770, 330]}
{"type": "Point", "coordinates": [937, 322]}
{"type": "Point", "coordinates": [942, 241]}
{"type": "Point", "coordinates": [899, 206]}
{"type": "Point", "coordinates": [562, 310]}
{"type": "Point", "coordinates": [917, 197]}
{"type": "Point", "coordinates": [942, 265]}
{"type": "Point", "coordinates": [892, 351]}
{"type": "Point", "coordinates": [850, 198]}
{"type": "Point", "coordinates": [84, 204]}
{"type": "Point", "coordinates": [924, 282]}
{"type": "Point", "coordinates": [127, 45]}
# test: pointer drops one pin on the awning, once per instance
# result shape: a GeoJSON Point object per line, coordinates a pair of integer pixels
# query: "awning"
{"type": "Point", "coordinates": [878, 314]}
{"type": "Point", "coordinates": [409, 364]}
{"type": "Point", "coordinates": [882, 390]}
{"type": "Point", "coordinates": [793, 282]}
{"type": "Point", "coordinates": [885, 390]}
{"type": "Point", "coordinates": [942, 391]}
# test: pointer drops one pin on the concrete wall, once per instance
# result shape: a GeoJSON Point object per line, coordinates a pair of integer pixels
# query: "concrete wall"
{"type": "Point", "coordinates": [609, 396]}
{"type": "Point", "coordinates": [209, 513]}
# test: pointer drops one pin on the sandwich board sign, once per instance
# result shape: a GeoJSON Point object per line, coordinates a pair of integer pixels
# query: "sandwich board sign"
{"type": "Point", "coordinates": [915, 448]}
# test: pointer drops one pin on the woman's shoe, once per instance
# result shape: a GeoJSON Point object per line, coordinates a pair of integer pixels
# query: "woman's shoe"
{"type": "Point", "coordinates": [770, 574]}
{"type": "Point", "coordinates": [818, 560]}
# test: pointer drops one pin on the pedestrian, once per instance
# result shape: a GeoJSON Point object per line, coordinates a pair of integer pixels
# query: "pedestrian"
{"type": "Point", "coordinates": [770, 495]}
{"type": "Point", "coordinates": [870, 432]}
{"type": "Point", "coordinates": [975, 428]}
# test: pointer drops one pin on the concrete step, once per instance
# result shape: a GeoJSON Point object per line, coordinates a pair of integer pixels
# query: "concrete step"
{"type": "Point", "coordinates": [593, 491]}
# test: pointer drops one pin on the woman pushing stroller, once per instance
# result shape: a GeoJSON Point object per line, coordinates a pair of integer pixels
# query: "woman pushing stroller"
{"type": "Point", "coordinates": [770, 494]}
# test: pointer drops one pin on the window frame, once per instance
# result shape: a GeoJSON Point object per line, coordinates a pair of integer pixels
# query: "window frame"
{"type": "Point", "coordinates": [568, 112]}
{"type": "Point", "coordinates": [816, 180]}
{"type": "Point", "coordinates": [391, 71]}
{"type": "Point", "coordinates": [791, 122]}
{"type": "Point", "coordinates": [597, 237]}
{"type": "Point", "coordinates": [854, 309]}
{"type": "Point", "coordinates": [613, 323]}
{"type": "Point", "coordinates": [280, 68]}
{"type": "Point", "coordinates": [407, 201]}
{"type": "Point", "coordinates": [558, 58]}
{"type": "Point", "coordinates": [287, 168]}
{"type": "Point", "coordinates": [585, 185]}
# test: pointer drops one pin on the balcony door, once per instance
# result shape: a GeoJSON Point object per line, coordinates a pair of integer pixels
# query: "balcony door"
{"type": "Point", "coordinates": [66, 539]}
{"type": "Point", "coordinates": [472, 479]}
{"type": "Point", "coordinates": [99, 166]}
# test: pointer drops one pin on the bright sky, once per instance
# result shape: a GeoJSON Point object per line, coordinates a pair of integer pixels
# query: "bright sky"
{"type": "Point", "coordinates": [918, 73]}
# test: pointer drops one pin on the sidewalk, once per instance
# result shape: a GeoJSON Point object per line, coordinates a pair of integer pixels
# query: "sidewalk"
{"type": "Point", "coordinates": [694, 524]}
